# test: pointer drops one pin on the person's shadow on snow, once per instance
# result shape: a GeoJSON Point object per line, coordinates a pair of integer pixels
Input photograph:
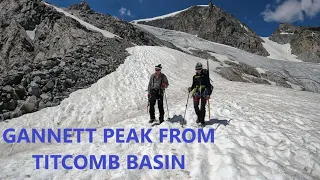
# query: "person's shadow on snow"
{"type": "Point", "coordinates": [219, 122]}
{"type": "Point", "coordinates": [177, 119]}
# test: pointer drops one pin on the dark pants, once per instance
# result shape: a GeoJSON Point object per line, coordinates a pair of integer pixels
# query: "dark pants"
{"type": "Point", "coordinates": [152, 100]}
{"type": "Point", "coordinates": [202, 111]}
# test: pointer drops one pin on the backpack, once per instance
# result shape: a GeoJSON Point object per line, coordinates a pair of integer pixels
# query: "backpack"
{"type": "Point", "coordinates": [157, 91]}
{"type": "Point", "coordinates": [206, 73]}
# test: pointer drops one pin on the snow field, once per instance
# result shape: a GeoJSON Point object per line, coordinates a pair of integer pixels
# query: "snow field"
{"type": "Point", "coordinates": [272, 131]}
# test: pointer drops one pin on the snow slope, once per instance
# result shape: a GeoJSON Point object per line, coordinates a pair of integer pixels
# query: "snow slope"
{"type": "Point", "coordinates": [274, 132]}
{"type": "Point", "coordinates": [279, 51]}
{"type": "Point", "coordinates": [299, 73]}
{"type": "Point", "coordinates": [164, 16]}
{"type": "Point", "coordinates": [87, 25]}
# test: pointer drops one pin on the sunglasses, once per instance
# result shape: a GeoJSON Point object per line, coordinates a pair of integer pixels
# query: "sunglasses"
{"type": "Point", "coordinates": [198, 69]}
{"type": "Point", "coordinates": [158, 69]}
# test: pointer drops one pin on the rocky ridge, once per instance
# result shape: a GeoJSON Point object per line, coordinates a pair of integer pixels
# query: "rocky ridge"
{"type": "Point", "coordinates": [304, 41]}
{"type": "Point", "coordinates": [213, 24]}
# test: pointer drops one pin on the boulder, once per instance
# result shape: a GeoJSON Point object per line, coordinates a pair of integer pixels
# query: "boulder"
{"type": "Point", "coordinates": [31, 104]}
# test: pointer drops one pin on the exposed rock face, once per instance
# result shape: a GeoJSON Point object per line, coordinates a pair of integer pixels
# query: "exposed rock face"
{"type": "Point", "coordinates": [284, 34]}
{"type": "Point", "coordinates": [213, 24]}
{"type": "Point", "coordinates": [304, 41]}
{"type": "Point", "coordinates": [15, 45]}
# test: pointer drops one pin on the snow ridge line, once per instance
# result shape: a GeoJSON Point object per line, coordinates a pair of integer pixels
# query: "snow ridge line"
{"type": "Point", "coordinates": [105, 33]}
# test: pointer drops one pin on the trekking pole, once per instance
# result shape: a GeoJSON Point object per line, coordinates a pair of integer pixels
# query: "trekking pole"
{"type": "Point", "coordinates": [148, 103]}
{"type": "Point", "coordinates": [165, 95]}
{"type": "Point", "coordinates": [211, 89]}
{"type": "Point", "coordinates": [209, 107]}
{"type": "Point", "coordinates": [186, 107]}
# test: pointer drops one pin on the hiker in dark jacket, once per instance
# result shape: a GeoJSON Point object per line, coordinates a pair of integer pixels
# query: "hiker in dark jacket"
{"type": "Point", "coordinates": [201, 91]}
{"type": "Point", "coordinates": [157, 84]}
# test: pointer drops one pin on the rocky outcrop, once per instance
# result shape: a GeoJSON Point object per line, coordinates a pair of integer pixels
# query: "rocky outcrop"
{"type": "Point", "coordinates": [241, 72]}
{"type": "Point", "coordinates": [213, 24]}
{"type": "Point", "coordinates": [16, 47]}
{"type": "Point", "coordinates": [304, 41]}
{"type": "Point", "coordinates": [284, 34]}
{"type": "Point", "coordinates": [203, 54]}
{"type": "Point", "coordinates": [230, 74]}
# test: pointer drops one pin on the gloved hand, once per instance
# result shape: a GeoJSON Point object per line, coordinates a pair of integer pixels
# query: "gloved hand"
{"type": "Point", "coordinates": [189, 89]}
{"type": "Point", "coordinates": [149, 95]}
{"type": "Point", "coordinates": [163, 85]}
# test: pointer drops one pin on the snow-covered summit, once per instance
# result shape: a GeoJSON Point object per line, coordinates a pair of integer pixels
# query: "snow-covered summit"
{"type": "Point", "coordinates": [165, 16]}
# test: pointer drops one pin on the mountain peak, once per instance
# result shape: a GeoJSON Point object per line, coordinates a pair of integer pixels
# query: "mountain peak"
{"type": "Point", "coordinates": [285, 26]}
{"type": "Point", "coordinates": [210, 4]}
{"type": "Point", "coordinates": [210, 23]}
{"type": "Point", "coordinates": [83, 6]}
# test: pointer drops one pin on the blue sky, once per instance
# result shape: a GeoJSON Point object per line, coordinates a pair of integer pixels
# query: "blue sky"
{"type": "Point", "coordinates": [262, 16]}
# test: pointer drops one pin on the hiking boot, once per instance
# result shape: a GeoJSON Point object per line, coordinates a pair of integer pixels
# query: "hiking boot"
{"type": "Point", "coordinates": [151, 120]}
{"type": "Point", "coordinates": [202, 125]}
{"type": "Point", "coordinates": [161, 121]}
